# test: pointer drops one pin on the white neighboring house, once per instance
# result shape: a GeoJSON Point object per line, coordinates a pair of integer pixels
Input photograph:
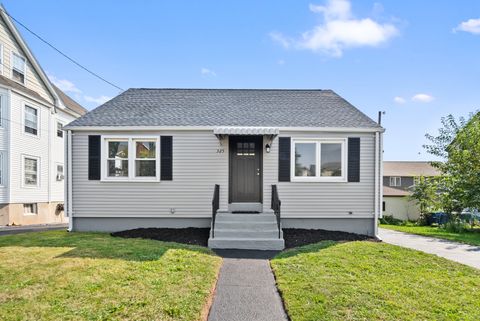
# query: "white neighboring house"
{"type": "Point", "coordinates": [32, 114]}
{"type": "Point", "coordinates": [398, 179]}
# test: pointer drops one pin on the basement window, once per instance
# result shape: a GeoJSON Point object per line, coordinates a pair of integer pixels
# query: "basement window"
{"type": "Point", "coordinates": [30, 209]}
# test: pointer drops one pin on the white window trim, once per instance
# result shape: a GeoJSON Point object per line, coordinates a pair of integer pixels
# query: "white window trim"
{"type": "Point", "coordinates": [25, 104]}
{"type": "Point", "coordinates": [395, 181]}
{"type": "Point", "coordinates": [56, 172]}
{"type": "Point", "coordinates": [2, 110]}
{"type": "Point", "coordinates": [1, 59]}
{"type": "Point", "coordinates": [2, 168]}
{"type": "Point", "coordinates": [38, 171]}
{"type": "Point", "coordinates": [56, 129]}
{"type": "Point", "coordinates": [131, 158]}
{"type": "Point", "coordinates": [24, 68]}
{"type": "Point", "coordinates": [317, 177]}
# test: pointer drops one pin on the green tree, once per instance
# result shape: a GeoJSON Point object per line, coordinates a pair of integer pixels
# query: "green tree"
{"type": "Point", "coordinates": [458, 145]}
{"type": "Point", "coordinates": [424, 193]}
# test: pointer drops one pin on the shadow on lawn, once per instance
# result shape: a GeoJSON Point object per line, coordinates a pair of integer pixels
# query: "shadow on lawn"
{"type": "Point", "coordinates": [98, 245]}
{"type": "Point", "coordinates": [311, 248]}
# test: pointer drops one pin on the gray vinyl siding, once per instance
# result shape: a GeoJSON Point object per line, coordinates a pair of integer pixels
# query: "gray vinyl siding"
{"type": "Point", "coordinates": [329, 199]}
{"type": "Point", "coordinates": [197, 167]}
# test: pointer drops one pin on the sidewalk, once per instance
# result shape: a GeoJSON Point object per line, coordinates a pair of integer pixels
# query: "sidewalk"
{"type": "Point", "coordinates": [6, 230]}
{"type": "Point", "coordinates": [458, 252]}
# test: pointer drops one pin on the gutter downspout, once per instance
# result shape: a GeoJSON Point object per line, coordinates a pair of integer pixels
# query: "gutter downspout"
{"type": "Point", "coordinates": [380, 175]}
{"type": "Point", "coordinates": [68, 189]}
{"type": "Point", "coordinates": [377, 147]}
{"type": "Point", "coordinates": [49, 150]}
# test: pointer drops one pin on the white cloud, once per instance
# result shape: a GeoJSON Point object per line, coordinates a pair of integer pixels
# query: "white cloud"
{"type": "Point", "coordinates": [423, 98]}
{"type": "Point", "coordinates": [97, 100]}
{"type": "Point", "coordinates": [340, 30]}
{"type": "Point", "coordinates": [471, 25]}
{"type": "Point", "coordinates": [281, 62]}
{"type": "Point", "coordinates": [207, 72]}
{"type": "Point", "coordinates": [399, 100]}
{"type": "Point", "coordinates": [64, 85]}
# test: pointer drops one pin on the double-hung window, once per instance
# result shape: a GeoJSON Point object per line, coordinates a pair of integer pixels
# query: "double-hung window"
{"type": "Point", "coordinates": [31, 120]}
{"type": "Point", "coordinates": [319, 160]}
{"type": "Point", "coordinates": [30, 171]}
{"type": "Point", "coordinates": [395, 181]}
{"type": "Point", "coordinates": [130, 158]}
{"type": "Point", "coordinates": [19, 68]}
{"type": "Point", "coordinates": [59, 129]}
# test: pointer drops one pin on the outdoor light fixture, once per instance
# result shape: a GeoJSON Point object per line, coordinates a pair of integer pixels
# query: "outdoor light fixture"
{"type": "Point", "coordinates": [267, 148]}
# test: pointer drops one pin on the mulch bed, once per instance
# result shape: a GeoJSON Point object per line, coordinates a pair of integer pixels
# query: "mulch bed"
{"type": "Point", "coordinates": [199, 236]}
{"type": "Point", "coordinates": [191, 235]}
{"type": "Point", "coordinates": [297, 237]}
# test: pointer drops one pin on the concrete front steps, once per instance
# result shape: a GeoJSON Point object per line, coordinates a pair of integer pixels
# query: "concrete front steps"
{"type": "Point", "coordinates": [246, 231]}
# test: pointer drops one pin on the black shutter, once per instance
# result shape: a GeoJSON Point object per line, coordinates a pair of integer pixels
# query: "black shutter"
{"type": "Point", "coordinates": [354, 159]}
{"type": "Point", "coordinates": [284, 159]}
{"type": "Point", "coordinates": [94, 157]}
{"type": "Point", "coordinates": [166, 158]}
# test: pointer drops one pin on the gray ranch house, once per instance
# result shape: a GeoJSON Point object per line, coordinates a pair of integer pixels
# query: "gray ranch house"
{"type": "Point", "coordinates": [244, 162]}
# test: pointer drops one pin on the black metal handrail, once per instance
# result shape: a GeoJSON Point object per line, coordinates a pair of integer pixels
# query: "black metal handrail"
{"type": "Point", "coordinates": [215, 206]}
{"type": "Point", "coordinates": [275, 206]}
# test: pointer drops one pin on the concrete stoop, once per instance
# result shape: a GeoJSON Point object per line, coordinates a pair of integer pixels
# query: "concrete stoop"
{"type": "Point", "coordinates": [246, 231]}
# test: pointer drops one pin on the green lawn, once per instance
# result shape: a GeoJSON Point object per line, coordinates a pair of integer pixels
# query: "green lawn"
{"type": "Point", "coordinates": [92, 276]}
{"type": "Point", "coordinates": [374, 281]}
{"type": "Point", "coordinates": [472, 238]}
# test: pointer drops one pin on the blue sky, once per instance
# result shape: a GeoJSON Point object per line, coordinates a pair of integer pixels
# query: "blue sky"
{"type": "Point", "coordinates": [425, 53]}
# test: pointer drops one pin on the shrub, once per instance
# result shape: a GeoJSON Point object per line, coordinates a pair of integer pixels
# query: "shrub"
{"type": "Point", "coordinates": [390, 220]}
{"type": "Point", "coordinates": [455, 225]}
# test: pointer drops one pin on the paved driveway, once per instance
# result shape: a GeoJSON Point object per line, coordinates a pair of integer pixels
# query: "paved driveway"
{"type": "Point", "coordinates": [459, 252]}
{"type": "Point", "coordinates": [6, 230]}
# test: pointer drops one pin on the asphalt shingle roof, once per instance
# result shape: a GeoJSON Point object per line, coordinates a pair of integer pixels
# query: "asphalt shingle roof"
{"type": "Point", "coordinates": [227, 107]}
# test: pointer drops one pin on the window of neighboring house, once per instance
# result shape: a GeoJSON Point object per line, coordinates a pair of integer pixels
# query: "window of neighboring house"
{"type": "Point", "coordinates": [30, 171]}
{"type": "Point", "coordinates": [31, 120]}
{"type": "Point", "coordinates": [1, 58]}
{"type": "Point", "coordinates": [319, 160]}
{"type": "Point", "coordinates": [59, 130]}
{"type": "Point", "coordinates": [395, 181]}
{"type": "Point", "coordinates": [19, 68]}
{"type": "Point", "coordinates": [128, 158]}
{"type": "Point", "coordinates": [383, 206]}
{"type": "Point", "coordinates": [60, 175]}
{"type": "Point", "coordinates": [30, 209]}
{"type": "Point", "coordinates": [1, 168]}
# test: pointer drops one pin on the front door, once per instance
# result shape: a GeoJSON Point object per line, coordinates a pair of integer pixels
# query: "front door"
{"type": "Point", "coordinates": [245, 169]}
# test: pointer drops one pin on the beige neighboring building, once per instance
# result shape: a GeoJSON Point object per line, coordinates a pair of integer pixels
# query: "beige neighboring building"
{"type": "Point", "coordinates": [398, 178]}
{"type": "Point", "coordinates": [32, 115]}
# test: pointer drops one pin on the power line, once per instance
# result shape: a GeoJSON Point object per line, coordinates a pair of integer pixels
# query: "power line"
{"type": "Point", "coordinates": [61, 53]}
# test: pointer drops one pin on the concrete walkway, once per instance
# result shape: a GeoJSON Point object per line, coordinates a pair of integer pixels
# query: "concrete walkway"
{"type": "Point", "coordinates": [459, 252]}
{"type": "Point", "coordinates": [6, 230]}
{"type": "Point", "coordinates": [246, 288]}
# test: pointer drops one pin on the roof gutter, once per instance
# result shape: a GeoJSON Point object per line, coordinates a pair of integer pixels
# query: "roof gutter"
{"type": "Point", "coordinates": [193, 128]}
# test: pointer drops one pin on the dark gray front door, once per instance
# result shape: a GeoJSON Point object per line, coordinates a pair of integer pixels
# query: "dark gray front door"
{"type": "Point", "coordinates": [246, 169]}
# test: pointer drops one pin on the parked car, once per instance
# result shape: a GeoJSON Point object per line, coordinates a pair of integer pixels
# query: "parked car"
{"type": "Point", "coordinates": [437, 218]}
{"type": "Point", "coordinates": [470, 215]}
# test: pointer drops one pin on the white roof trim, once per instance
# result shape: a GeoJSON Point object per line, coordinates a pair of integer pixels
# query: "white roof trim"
{"type": "Point", "coordinates": [30, 56]}
{"type": "Point", "coordinates": [246, 131]}
{"type": "Point", "coordinates": [166, 128]}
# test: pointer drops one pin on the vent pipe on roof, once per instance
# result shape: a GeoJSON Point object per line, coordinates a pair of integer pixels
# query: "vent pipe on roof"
{"type": "Point", "coordinates": [380, 113]}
